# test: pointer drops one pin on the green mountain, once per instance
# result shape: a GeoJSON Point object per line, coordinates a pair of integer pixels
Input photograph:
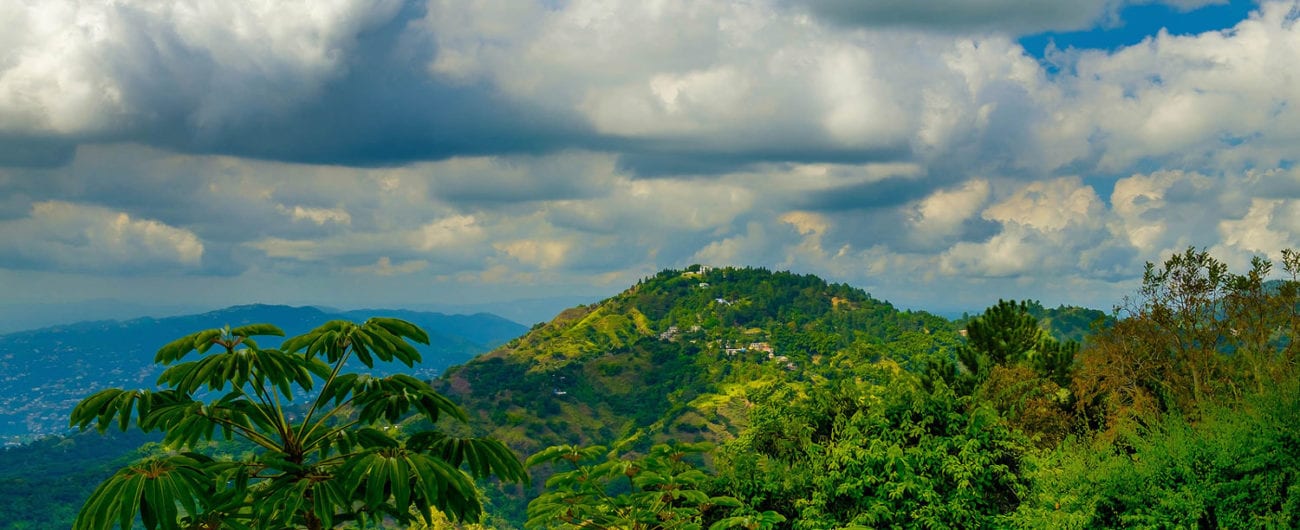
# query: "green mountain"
{"type": "Point", "coordinates": [673, 356]}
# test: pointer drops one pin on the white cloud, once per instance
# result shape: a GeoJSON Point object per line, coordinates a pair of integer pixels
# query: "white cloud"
{"type": "Point", "coordinates": [446, 232]}
{"type": "Point", "coordinates": [942, 214]}
{"type": "Point", "coordinates": [1258, 232]}
{"type": "Point", "coordinates": [921, 154]}
{"type": "Point", "coordinates": [539, 254]}
{"type": "Point", "coordinates": [1049, 206]}
{"type": "Point", "coordinates": [79, 68]}
{"type": "Point", "coordinates": [319, 216]}
{"type": "Point", "coordinates": [76, 237]}
{"type": "Point", "coordinates": [1155, 220]}
{"type": "Point", "coordinates": [1216, 96]}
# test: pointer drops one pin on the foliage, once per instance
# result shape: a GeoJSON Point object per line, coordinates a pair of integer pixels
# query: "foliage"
{"type": "Point", "coordinates": [1196, 335]}
{"type": "Point", "coordinates": [659, 490]}
{"type": "Point", "coordinates": [881, 454]}
{"type": "Point", "coordinates": [340, 458]}
{"type": "Point", "coordinates": [1007, 334]}
{"type": "Point", "coordinates": [1238, 467]}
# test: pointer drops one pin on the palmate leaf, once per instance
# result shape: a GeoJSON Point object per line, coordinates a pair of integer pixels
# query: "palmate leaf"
{"type": "Point", "coordinates": [285, 500]}
{"type": "Point", "coordinates": [483, 457]}
{"type": "Point", "coordinates": [569, 453]}
{"type": "Point", "coordinates": [383, 339]}
{"type": "Point", "coordinates": [757, 521]}
{"type": "Point", "coordinates": [400, 328]}
{"type": "Point", "coordinates": [117, 406]}
{"type": "Point", "coordinates": [393, 398]}
{"type": "Point", "coordinates": [252, 330]}
{"type": "Point", "coordinates": [240, 367]}
{"type": "Point", "coordinates": [155, 488]}
{"type": "Point", "coordinates": [406, 478]}
{"type": "Point", "coordinates": [329, 340]}
{"type": "Point", "coordinates": [201, 341]}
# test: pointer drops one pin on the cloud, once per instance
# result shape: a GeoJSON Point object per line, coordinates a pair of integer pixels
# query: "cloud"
{"type": "Point", "coordinates": [912, 148]}
{"type": "Point", "coordinates": [88, 69]}
{"type": "Point", "coordinates": [332, 82]}
{"type": "Point", "coordinates": [384, 267]}
{"type": "Point", "coordinates": [1207, 100]}
{"type": "Point", "coordinates": [946, 213]}
{"type": "Point", "coordinates": [319, 216]}
{"type": "Point", "coordinates": [73, 237]}
{"type": "Point", "coordinates": [1019, 16]}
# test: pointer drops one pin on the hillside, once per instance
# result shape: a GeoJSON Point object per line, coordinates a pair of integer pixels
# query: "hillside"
{"type": "Point", "coordinates": [674, 354]}
{"type": "Point", "coordinates": [44, 372]}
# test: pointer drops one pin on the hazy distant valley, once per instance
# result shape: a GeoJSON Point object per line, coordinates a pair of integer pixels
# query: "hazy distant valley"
{"type": "Point", "coordinates": [44, 372]}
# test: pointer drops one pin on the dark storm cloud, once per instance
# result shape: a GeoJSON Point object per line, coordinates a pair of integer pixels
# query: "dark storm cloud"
{"type": "Point", "coordinates": [888, 193]}
{"type": "Point", "coordinates": [35, 152]}
{"type": "Point", "coordinates": [387, 110]}
{"type": "Point", "coordinates": [368, 101]}
{"type": "Point", "coordinates": [1019, 16]}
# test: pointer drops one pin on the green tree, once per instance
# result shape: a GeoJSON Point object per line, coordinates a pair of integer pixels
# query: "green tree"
{"type": "Point", "coordinates": [886, 454]}
{"type": "Point", "coordinates": [1009, 336]}
{"type": "Point", "coordinates": [660, 490]}
{"type": "Point", "coordinates": [339, 457]}
{"type": "Point", "coordinates": [1195, 335]}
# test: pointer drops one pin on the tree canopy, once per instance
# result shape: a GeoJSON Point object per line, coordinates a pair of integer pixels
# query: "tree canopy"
{"type": "Point", "coordinates": [330, 446]}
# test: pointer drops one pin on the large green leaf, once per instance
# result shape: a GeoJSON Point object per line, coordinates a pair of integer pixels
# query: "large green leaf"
{"type": "Point", "coordinates": [155, 488]}
{"type": "Point", "coordinates": [411, 479]}
{"type": "Point", "coordinates": [483, 457]}
{"type": "Point", "coordinates": [394, 397]}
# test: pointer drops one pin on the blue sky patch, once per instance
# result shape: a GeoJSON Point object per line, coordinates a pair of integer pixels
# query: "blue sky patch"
{"type": "Point", "coordinates": [1137, 22]}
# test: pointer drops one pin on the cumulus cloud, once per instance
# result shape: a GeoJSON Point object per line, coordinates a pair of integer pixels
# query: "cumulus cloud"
{"type": "Point", "coordinates": [910, 147]}
{"type": "Point", "coordinates": [86, 69]}
{"type": "Point", "coordinates": [1212, 99]}
{"type": "Point", "coordinates": [74, 237]}
{"type": "Point", "coordinates": [944, 213]}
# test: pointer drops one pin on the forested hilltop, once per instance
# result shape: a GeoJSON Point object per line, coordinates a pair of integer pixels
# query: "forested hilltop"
{"type": "Point", "coordinates": [675, 356]}
{"type": "Point", "coordinates": [736, 397]}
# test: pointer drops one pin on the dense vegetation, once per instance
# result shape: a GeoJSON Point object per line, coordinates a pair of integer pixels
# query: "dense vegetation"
{"type": "Point", "coordinates": [1179, 410]}
{"type": "Point", "coordinates": [44, 483]}
{"type": "Point", "coordinates": [742, 398]}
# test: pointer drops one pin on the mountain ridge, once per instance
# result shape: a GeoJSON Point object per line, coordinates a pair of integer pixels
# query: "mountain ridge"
{"type": "Point", "coordinates": [44, 371]}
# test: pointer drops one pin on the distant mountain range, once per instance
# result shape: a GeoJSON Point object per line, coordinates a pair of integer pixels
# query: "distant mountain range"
{"type": "Point", "coordinates": [44, 372]}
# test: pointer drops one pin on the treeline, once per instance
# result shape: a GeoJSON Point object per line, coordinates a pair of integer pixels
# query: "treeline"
{"type": "Point", "coordinates": [1183, 412]}
{"type": "Point", "coordinates": [44, 483]}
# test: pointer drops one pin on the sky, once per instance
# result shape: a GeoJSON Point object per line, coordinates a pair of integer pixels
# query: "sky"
{"type": "Point", "coordinates": [521, 156]}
